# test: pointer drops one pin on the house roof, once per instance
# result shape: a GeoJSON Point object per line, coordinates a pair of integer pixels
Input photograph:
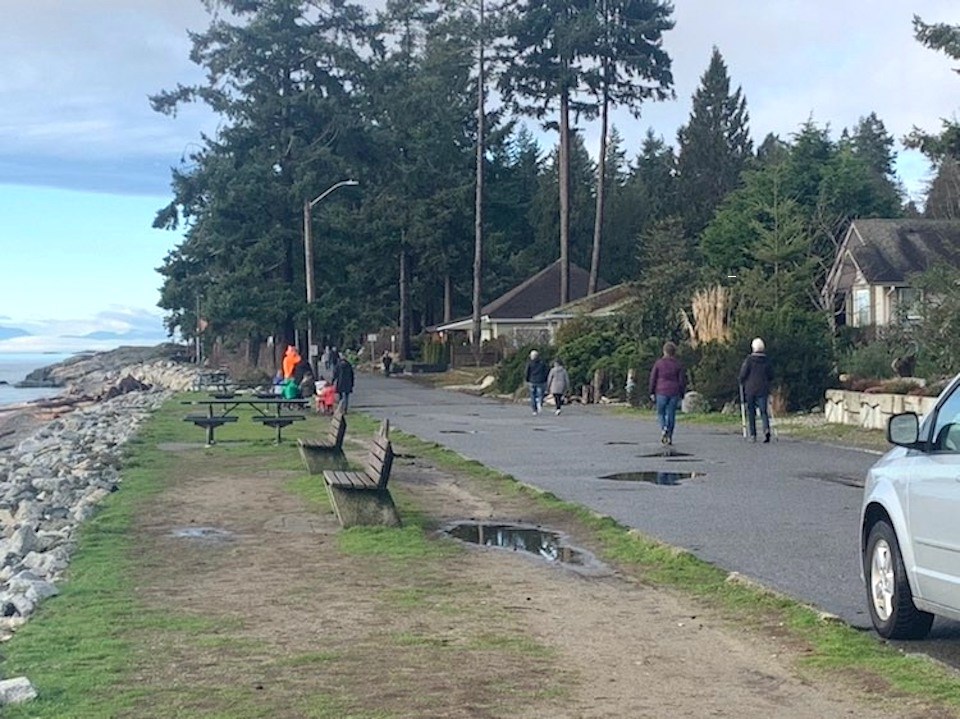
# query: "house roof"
{"type": "Point", "coordinates": [599, 303]}
{"type": "Point", "coordinates": [532, 296]}
{"type": "Point", "coordinates": [887, 252]}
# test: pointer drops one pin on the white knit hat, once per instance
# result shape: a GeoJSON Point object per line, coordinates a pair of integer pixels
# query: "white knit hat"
{"type": "Point", "coordinates": [757, 345]}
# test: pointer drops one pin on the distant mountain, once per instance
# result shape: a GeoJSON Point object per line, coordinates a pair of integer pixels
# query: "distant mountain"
{"type": "Point", "coordinates": [8, 333]}
{"type": "Point", "coordinates": [123, 336]}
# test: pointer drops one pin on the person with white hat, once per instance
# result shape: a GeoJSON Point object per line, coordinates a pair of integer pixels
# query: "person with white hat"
{"type": "Point", "coordinates": [536, 378]}
{"type": "Point", "coordinates": [756, 374]}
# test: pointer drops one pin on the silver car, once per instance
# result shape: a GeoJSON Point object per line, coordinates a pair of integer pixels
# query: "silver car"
{"type": "Point", "coordinates": [910, 522]}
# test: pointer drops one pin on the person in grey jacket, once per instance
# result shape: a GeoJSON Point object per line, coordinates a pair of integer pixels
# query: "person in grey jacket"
{"type": "Point", "coordinates": [558, 383]}
{"type": "Point", "coordinates": [756, 374]}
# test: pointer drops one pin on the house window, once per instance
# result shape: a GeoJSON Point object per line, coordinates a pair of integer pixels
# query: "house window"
{"type": "Point", "coordinates": [908, 303]}
{"type": "Point", "coordinates": [861, 307]}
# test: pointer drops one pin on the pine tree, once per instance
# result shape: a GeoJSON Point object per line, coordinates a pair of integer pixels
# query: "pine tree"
{"type": "Point", "coordinates": [714, 146]}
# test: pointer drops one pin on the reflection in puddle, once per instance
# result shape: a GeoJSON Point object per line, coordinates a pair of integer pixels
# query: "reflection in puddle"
{"type": "Point", "coordinates": [669, 479]}
{"type": "Point", "coordinates": [544, 543]}
{"type": "Point", "coordinates": [203, 533]}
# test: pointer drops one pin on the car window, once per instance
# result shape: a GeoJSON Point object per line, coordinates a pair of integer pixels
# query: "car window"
{"type": "Point", "coordinates": [946, 426]}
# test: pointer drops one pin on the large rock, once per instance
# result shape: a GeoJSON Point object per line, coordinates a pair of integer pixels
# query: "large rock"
{"type": "Point", "coordinates": [694, 403]}
{"type": "Point", "coordinates": [16, 691]}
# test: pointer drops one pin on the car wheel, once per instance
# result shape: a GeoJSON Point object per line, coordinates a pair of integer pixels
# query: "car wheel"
{"type": "Point", "coordinates": [892, 610]}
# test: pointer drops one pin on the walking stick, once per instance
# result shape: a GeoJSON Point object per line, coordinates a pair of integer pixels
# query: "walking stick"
{"type": "Point", "coordinates": [773, 424]}
{"type": "Point", "coordinates": [743, 415]}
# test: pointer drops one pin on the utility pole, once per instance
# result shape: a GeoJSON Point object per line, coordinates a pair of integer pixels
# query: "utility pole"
{"type": "Point", "coordinates": [478, 205]}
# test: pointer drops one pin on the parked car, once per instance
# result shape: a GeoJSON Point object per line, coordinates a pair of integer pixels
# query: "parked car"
{"type": "Point", "coordinates": [910, 522]}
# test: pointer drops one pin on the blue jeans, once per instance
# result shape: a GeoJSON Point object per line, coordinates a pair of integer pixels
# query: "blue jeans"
{"type": "Point", "coordinates": [537, 390]}
{"type": "Point", "coordinates": [754, 403]}
{"type": "Point", "coordinates": [667, 412]}
{"type": "Point", "coordinates": [345, 400]}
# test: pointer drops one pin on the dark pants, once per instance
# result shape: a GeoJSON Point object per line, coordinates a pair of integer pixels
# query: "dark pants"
{"type": "Point", "coordinates": [754, 403]}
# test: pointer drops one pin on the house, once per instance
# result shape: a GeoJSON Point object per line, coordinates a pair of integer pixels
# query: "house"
{"type": "Point", "coordinates": [513, 317]}
{"type": "Point", "coordinates": [869, 283]}
{"type": "Point", "coordinates": [604, 303]}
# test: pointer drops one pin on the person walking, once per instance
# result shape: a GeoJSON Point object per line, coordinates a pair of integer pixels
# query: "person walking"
{"type": "Point", "coordinates": [668, 382]}
{"type": "Point", "coordinates": [343, 381]}
{"type": "Point", "coordinates": [558, 383]}
{"type": "Point", "coordinates": [756, 374]}
{"type": "Point", "coordinates": [386, 359]}
{"type": "Point", "coordinates": [536, 378]}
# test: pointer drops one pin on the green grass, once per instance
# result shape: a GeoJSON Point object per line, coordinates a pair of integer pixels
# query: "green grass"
{"type": "Point", "coordinates": [85, 649]}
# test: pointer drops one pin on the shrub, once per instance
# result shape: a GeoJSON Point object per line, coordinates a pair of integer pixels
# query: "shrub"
{"type": "Point", "coordinates": [714, 367]}
{"type": "Point", "coordinates": [872, 360]}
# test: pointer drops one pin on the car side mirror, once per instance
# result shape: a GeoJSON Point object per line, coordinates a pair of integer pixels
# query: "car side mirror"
{"type": "Point", "coordinates": [904, 429]}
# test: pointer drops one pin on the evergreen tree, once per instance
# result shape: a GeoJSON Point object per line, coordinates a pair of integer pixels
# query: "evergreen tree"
{"type": "Point", "coordinates": [946, 39]}
{"type": "Point", "coordinates": [545, 66]}
{"type": "Point", "coordinates": [633, 68]}
{"type": "Point", "coordinates": [714, 146]}
{"type": "Point", "coordinates": [943, 194]}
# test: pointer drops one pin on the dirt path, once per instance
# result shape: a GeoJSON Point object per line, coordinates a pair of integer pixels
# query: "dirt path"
{"type": "Point", "coordinates": [292, 622]}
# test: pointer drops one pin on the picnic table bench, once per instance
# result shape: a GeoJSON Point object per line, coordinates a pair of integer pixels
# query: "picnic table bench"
{"type": "Point", "coordinates": [361, 497]}
{"type": "Point", "coordinates": [212, 420]}
{"type": "Point", "coordinates": [321, 454]}
{"type": "Point", "coordinates": [210, 423]}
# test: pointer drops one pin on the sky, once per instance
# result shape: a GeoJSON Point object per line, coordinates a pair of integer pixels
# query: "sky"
{"type": "Point", "coordinates": [85, 163]}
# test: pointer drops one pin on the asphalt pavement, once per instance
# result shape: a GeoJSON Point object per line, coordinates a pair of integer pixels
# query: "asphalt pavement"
{"type": "Point", "coordinates": [784, 514]}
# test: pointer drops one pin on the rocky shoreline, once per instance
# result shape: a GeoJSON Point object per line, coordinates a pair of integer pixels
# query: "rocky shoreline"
{"type": "Point", "coordinates": [59, 457]}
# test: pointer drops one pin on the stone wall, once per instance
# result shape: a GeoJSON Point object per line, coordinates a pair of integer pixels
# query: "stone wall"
{"type": "Point", "coordinates": [869, 410]}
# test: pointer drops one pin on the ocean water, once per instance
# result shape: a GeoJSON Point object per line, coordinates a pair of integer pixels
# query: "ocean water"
{"type": "Point", "coordinates": [16, 366]}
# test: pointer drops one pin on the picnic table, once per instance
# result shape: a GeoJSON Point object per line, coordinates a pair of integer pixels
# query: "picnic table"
{"type": "Point", "coordinates": [269, 412]}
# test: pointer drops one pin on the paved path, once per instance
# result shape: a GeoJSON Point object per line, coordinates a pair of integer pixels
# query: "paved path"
{"type": "Point", "coordinates": [784, 513]}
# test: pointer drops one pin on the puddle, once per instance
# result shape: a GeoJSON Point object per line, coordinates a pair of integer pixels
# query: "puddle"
{"type": "Point", "coordinates": [669, 479]}
{"type": "Point", "coordinates": [211, 533]}
{"type": "Point", "coordinates": [616, 442]}
{"type": "Point", "coordinates": [458, 431]}
{"type": "Point", "coordinates": [666, 452]}
{"type": "Point", "coordinates": [543, 543]}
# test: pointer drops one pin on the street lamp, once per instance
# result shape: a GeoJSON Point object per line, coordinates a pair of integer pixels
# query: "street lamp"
{"type": "Point", "coordinates": [308, 205]}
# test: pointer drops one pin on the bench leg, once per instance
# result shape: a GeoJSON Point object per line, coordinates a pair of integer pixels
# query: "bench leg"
{"type": "Point", "coordinates": [364, 507]}
{"type": "Point", "coordinates": [209, 435]}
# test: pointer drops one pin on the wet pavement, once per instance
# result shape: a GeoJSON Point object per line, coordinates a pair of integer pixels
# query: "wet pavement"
{"type": "Point", "coordinates": [784, 513]}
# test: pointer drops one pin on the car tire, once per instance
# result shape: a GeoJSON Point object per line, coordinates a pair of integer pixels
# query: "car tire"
{"type": "Point", "coordinates": [889, 598]}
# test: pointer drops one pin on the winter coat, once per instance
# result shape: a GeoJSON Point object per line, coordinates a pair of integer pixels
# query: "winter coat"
{"type": "Point", "coordinates": [343, 377]}
{"type": "Point", "coordinates": [756, 374]}
{"type": "Point", "coordinates": [290, 359]}
{"type": "Point", "coordinates": [668, 378]}
{"type": "Point", "coordinates": [536, 371]}
{"type": "Point", "coordinates": [558, 381]}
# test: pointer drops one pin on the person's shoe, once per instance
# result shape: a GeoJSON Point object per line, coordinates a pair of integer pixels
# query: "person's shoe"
{"type": "Point", "coordinates": [663, 436]}
{"type": "Point", "coordinates": [557, 413]}
{"type": "Point", "coordinates": [535, 413]}
{"type": "Point", "coordinates": [670, 439]}
{"type": "Point", "coordinates": [753, 438]}
{"type": "Point", "coordinates": [766, 438]}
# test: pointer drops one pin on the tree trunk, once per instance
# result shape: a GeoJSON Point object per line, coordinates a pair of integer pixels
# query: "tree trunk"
{"type": "Point", "coordinates": [447, 298]}
{"type": "Point", "coordinates": [564, 177]}
{"type": "Point", "coordinates": [404, 349]}
{"type": "Point", "coordinates": [601, 187]}
{"type": "Point", "coordinates": [478, 200]}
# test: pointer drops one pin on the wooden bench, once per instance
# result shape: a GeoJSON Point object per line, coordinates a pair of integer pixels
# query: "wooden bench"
{"type": "Point", "coordinates": [321, 454]}
{"type": "Point", "coordinates": [209, 423]}
{"type": "Point", "coordinates": [361, 497]}
{"type": "Point", "coordinates": [279, 421]}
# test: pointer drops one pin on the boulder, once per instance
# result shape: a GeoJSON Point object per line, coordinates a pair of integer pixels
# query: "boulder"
{"type": "Point", "coordinates": [16, 691]}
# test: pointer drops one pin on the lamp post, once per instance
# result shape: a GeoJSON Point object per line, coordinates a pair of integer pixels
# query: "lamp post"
{"type": "Point", "coordinates": [308, 205]}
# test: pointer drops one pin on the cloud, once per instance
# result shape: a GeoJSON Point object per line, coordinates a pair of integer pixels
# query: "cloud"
{"type": "Point", "coordinates": [110, 328]}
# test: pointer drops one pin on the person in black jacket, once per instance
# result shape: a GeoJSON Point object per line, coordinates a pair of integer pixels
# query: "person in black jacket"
{"type": "Point", "coordinates": [536, 378]}
{"type": "Point", "coordinates": [343, 381]}
{"type": "Point", "coordinates": [756, 374]}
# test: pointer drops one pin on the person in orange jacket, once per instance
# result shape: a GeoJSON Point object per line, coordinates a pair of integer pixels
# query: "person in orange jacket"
{"type": "Point", "coordinates": [290, 360]}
